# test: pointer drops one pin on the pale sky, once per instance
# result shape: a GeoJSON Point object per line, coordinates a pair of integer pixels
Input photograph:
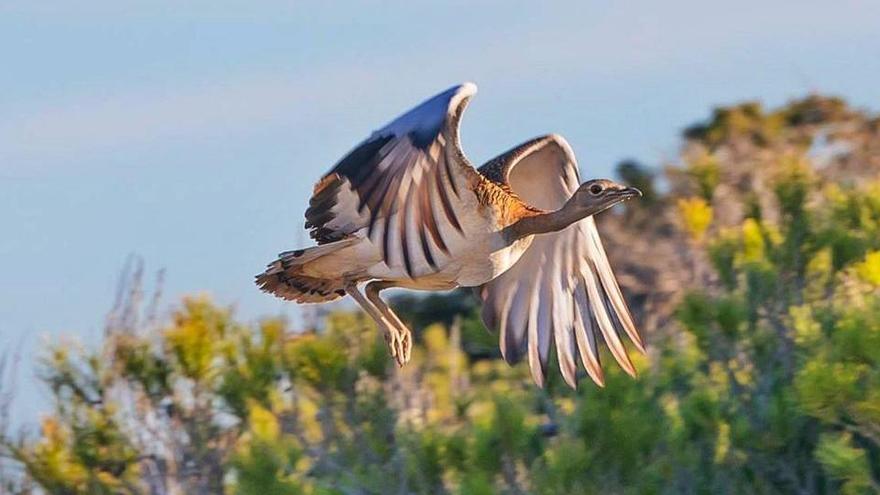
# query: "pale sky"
{"type": "Point", "coordinates": [191, 134]}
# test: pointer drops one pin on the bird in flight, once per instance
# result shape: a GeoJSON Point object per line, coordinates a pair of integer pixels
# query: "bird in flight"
{"type": "Point", "coordinates": [405, 208]}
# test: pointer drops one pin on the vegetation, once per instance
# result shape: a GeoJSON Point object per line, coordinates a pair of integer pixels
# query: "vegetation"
{"type": "Point", "coordinates": [753, 267]}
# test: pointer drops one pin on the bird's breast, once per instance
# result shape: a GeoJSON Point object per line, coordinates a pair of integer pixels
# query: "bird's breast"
{"type": "Point", "coordinates": [491, 259]}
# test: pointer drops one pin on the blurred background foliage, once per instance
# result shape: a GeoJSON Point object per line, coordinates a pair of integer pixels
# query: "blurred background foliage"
{"type": "Point", "coordinates": [753, 266]}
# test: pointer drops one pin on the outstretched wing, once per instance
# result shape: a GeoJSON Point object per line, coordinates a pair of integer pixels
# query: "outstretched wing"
{"type": "Point", "coordinates": [562, 289]}
{"type": "Point", "coordinates": [399, 185]}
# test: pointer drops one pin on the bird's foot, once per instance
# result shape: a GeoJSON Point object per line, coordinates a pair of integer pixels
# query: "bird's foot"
{"type": "Point", "coordinates": [399, 345]}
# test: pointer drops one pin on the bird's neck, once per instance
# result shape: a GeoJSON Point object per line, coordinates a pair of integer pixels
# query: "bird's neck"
{"type": "Point", "coordinates": [545, 222]}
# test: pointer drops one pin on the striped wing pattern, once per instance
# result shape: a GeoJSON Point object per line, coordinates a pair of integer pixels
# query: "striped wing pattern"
{"type": "Point", "coordinates": [400, 185]}
{"type": "Point", "coordinates": [562, 291]}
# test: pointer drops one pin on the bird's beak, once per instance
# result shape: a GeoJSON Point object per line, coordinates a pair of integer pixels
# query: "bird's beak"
{"type": "Point", "coordinates": [628, 192]}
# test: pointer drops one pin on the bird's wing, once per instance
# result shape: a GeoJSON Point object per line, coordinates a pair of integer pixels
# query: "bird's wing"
{"type": "Point", "coordinates": [400, 184]}
{"type": "Point", "coordinates": [562, 289]}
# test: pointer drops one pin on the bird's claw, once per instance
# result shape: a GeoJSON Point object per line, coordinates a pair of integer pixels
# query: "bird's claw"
{"type": "Point", "coordinates": [399, 345]}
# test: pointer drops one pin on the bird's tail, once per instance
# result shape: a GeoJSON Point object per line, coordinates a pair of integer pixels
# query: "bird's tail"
{"type": "Point", "coordinates": [284, 277]}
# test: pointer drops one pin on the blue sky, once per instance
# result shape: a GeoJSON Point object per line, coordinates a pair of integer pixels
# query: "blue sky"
{"type": "Point", "coordinates": [191, 134]}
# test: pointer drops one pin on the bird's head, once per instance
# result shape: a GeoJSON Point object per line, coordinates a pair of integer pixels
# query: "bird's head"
{"type": "Point", "coordinates": [590, 198]}
{"type": "Point", "coordinates": [597, 195]}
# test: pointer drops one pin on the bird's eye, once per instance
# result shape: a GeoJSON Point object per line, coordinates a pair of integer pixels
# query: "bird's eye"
{"type": "Point", "coordinates": [595, 189]}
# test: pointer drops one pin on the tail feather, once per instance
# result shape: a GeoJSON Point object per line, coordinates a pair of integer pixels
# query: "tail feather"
{"type": "Point", "coordinates": [284, 278]}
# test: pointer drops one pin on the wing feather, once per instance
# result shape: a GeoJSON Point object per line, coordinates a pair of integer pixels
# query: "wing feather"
{"type": "Point", "coordinates": [558, 289]}
{"type": "Point", "coordinates": [612, 289]}
{"type": "Point", "coordinates": [604, 322]}
{"type": "Point", "coordinates": [562, 324]}
{"type": "Point", "coordinates": [515, 324]}
{"type": "Point", "coordinates": [586, 336]}
{"type": "Point", "coordinates": [535, 361]}
{"type": "Point", "coordinates": [400, 179]}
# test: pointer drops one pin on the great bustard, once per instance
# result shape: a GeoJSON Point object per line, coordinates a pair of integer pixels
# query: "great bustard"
{"type": "Point", "coordinates": [405, 208]}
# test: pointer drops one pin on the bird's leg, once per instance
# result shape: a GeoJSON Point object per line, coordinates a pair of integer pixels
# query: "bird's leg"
{"type": "Point", "coordinates": [403, 337]}
{"type": "Point", "coordinates": [392, 335]}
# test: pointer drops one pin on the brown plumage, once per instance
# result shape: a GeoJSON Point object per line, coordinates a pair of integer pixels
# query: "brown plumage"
{"type": "Point", "coordinates": [406, 209]}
